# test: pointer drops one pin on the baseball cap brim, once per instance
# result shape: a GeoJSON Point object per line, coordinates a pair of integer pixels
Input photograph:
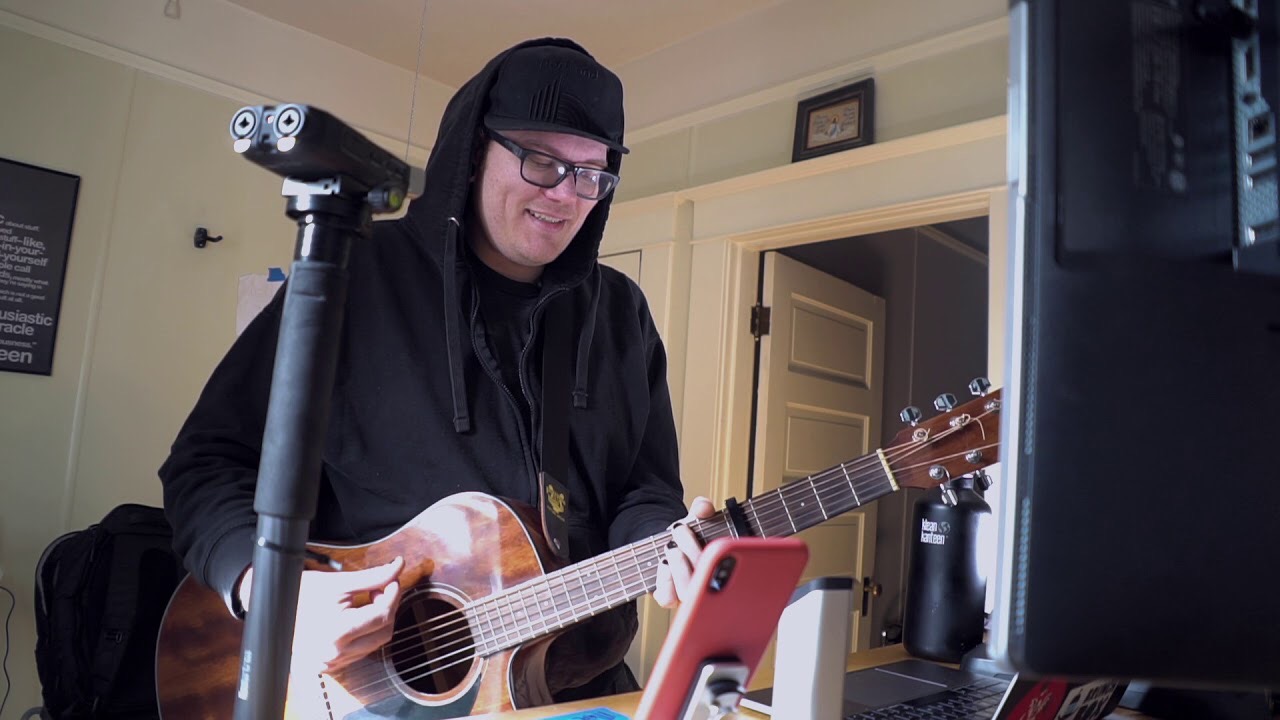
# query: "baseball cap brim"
{"type": "Point", "coordinates": [500, 123]}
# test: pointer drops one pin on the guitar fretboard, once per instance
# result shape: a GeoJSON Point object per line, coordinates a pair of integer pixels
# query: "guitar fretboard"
{"type": "Point", "coordinates": [561, 598]}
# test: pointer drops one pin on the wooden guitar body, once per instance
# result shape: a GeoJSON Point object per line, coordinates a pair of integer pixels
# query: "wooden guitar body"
{"type": "Point", "coordinates": [465, 547]}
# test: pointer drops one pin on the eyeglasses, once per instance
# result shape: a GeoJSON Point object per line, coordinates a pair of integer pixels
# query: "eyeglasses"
{"type": "Point", "coordinates": [547, 171]}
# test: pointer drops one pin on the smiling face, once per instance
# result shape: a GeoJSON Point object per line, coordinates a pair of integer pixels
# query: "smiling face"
{"type": "Point", "coordinates": [523, 227]}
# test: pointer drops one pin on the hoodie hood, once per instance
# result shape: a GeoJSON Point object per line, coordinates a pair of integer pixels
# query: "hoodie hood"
{"type": "Point", "coordinates": [437, 221]}
{"type": "Point", "coordinates": [452, 165]}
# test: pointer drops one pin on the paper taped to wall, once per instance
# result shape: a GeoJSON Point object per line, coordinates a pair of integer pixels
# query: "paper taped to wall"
{"type": "Point", "coordinates": [256, 290]}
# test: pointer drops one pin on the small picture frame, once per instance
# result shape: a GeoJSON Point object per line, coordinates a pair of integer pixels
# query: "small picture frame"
{"type": "Point", "coordinates": [837, 120]}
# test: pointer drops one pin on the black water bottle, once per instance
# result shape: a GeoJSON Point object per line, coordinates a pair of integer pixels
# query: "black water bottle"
{"type": "Point", "coordinates": [947, 583]}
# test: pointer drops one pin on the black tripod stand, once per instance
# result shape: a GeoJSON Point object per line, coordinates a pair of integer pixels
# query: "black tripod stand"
{"type": "Point", "coordinates": [336, 180]}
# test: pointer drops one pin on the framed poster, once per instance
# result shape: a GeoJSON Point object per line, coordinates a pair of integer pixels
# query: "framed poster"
{"type": "Point", "coordinates": [838, 120]}
{"type": "Point", "coordinates": [37, 209]}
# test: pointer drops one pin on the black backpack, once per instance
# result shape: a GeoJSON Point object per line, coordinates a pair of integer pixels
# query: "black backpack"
{"type": "Point", "coordinates": [100, 595]}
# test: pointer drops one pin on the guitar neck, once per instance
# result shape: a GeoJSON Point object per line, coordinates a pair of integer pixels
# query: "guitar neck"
{"type": "Point", "coordinates": [559, 599]}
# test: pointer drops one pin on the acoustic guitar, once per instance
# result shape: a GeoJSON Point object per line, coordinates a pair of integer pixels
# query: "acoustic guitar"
{"type": "Point", "coordinates": [483, 598]}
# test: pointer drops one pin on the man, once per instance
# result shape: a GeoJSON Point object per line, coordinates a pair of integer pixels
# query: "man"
{"type": "Point", "coordinates": [439, 385]}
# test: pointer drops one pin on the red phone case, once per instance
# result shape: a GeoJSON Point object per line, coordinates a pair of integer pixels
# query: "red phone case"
{"type": "Point", "coordinates": [743, 584]}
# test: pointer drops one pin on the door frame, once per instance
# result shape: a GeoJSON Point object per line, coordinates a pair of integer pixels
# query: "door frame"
{"type": "Point", "coordinates": [736, 384]}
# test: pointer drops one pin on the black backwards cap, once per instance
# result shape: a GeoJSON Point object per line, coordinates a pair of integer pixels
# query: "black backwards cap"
{"type": "Point", "coordinates": [557, 89]}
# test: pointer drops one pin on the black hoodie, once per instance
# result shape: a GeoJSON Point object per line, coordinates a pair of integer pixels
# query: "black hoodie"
{"type": "Point", "coordinates": [418, 409]}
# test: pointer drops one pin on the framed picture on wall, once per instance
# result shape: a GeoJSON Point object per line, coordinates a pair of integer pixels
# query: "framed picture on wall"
{"type": "Point", "coordinates": [837, 120]}
{"type": "Point", "coordinates": [37, 207]}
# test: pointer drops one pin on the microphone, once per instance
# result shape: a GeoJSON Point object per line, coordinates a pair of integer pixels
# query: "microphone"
{"type": "Point", "coordinates": [317, 153]}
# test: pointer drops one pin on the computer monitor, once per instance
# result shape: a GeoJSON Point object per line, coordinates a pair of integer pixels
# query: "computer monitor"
{"type": "Point", "coordinates": [1140, 536]}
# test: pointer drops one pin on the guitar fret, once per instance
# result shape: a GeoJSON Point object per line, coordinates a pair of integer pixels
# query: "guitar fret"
{"type": "Point", "coordinates": [605, 595]}
{"type": "Point", "coordinates": [496, 630]}
{"type": "Point", "coordinates": [641, 566]}
{"type": "Point", "coordinates": [573, 610]}
{"type": "Point", "coordinates": [473, 619]}
{"type": "Point", "coordinates": [543, 605]}
{"type": "Point", "coordinates": [513, 611]}
{"type": "Point", "coordinates": [586, 591]}
{"type": "Point", "coordinates": [844, 468]}
{"type": "Point", "coordinates": [645, 567]}
{"type": "Point", "coordinates": [504, 617]}
{"type": "Point", "coordinates": [759, 525]}
{"type": "Point", "coordinates": [617, 570]}
{"type": "Point", "coordinates": [657, 546]}
{"type": "Point", "coordinates": [814, 487]}
{"type": "Point", "coordinates": [586, 594]}
{"type": "Point", "coordinates": [623, 585]}
{"type": "Point", "coordinates": [527, 617]}
{"type": "Point", "coordinates": [493, 631]}
{"type": "Point", "coordinates": [491, 635]}
{"type": "Point", "coordinates": [782, 495]}
{"type": "Point", "coordinates": [472, 614]}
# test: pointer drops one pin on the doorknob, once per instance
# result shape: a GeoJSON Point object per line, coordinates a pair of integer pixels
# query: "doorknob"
{"type": "Point", "coordinates": [870, 589]}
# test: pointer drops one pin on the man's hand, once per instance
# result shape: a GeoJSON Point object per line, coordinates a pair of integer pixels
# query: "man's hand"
{"type": "Point", "coordinates": [677, 568]}
{"type": "Point", "coordinates": [332, 631]}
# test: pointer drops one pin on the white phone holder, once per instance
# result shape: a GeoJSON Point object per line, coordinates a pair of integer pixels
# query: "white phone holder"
{"type": "Point", "coordinates": [813, 651]}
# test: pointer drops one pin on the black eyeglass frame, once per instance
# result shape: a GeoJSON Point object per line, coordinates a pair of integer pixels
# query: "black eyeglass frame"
{"type": "Point", "coordinates": [523, 153]}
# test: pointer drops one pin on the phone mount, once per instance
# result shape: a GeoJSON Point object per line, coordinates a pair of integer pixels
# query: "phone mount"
{"type": "Point", "coordinates": [717, 690]}
{"type": "Point", "coordinates": [335, 181]}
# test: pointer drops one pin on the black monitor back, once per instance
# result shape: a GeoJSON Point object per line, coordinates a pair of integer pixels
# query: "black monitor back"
{"type": "Point", "coordinates": [1141, 532]}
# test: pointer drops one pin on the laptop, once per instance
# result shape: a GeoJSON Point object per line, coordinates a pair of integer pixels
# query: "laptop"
{"type": "Point", "coordinates": [921, 689]}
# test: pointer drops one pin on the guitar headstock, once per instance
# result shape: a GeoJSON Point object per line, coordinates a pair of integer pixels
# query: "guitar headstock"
{"type": "Point", "coordinates": [961, 440]}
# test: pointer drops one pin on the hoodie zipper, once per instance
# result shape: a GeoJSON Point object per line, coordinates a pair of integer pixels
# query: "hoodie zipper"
{"type": "Point", "coordinates": [531, 465]}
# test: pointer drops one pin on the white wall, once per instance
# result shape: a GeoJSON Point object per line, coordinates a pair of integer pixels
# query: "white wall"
{"type": "Point", "coordinates": [227, 50]}
{"type": "Point", "coordinates": [75, 121]}
{"type": "Point", "coordinates": [929, 85]}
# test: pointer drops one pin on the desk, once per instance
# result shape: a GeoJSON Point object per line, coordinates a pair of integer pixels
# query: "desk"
{"type": "Point", "coordinates": [626, 704]}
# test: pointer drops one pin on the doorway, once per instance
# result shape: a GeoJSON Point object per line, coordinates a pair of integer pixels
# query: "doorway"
{"type": "Point", "coordinates": [933, 280]}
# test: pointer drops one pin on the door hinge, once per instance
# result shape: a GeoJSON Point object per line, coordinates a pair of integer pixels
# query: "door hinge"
{"type": "Point", "coordinates": [760, 315]}
{"type": "Point", "coordinates": [870, 589]}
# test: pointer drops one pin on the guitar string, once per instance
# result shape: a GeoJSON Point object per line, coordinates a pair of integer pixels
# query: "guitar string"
{"type": "Point", "coordinates": [383, 679]}
{"type": "Point", "coordinates": [523, 623]}
{"type": "Point", "coordinates": [519, 591]}
{"type": "Point", "coordinates": [656, 541]}
{"type": "Point", "coordinates": [771, 507]}
{"type": "Point", "coordinates": [657, 546]}
{"type": "Point", "coordinates": [831, 477]}
{"type": "Point", "coordinates": [468, 654]}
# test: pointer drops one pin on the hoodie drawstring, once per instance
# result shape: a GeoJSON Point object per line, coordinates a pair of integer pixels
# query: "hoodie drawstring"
{"type": "Point", "coordinates": [461, 418]}
{"type": "Point", "coordinates": [584, 346]}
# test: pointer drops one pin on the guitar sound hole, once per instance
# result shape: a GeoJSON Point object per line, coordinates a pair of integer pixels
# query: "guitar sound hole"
{"type": "Point", "coordinates": [433, 648]}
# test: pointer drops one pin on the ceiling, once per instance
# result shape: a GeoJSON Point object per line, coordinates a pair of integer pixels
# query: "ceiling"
{"type": "Point", "coordinates": [459, 36]}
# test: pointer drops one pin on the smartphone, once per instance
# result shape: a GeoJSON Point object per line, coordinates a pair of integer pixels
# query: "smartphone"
{"type": "Point", "coordinates": [742, 587]}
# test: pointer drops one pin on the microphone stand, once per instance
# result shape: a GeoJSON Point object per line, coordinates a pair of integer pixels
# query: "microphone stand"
{"type": "Point", "coordinates": [335, 180]}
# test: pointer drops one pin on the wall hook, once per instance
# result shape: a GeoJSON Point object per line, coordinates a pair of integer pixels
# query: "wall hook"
{"type": "Point", "coordinates": [203, 236]}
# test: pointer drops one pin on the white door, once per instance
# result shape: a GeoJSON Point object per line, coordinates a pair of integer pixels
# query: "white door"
{"type": "Point", "coordinates": [819, 397]}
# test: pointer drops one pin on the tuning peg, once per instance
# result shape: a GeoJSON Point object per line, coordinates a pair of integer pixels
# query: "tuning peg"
{"type": "Point", "coordinates": [944, 402]}
{"type": "Point", "coordinates": [911, 415]}
{"type": "Point", "coordinates": [979, 386]}
{"type": "Point", "coordinates": [982, 480]}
